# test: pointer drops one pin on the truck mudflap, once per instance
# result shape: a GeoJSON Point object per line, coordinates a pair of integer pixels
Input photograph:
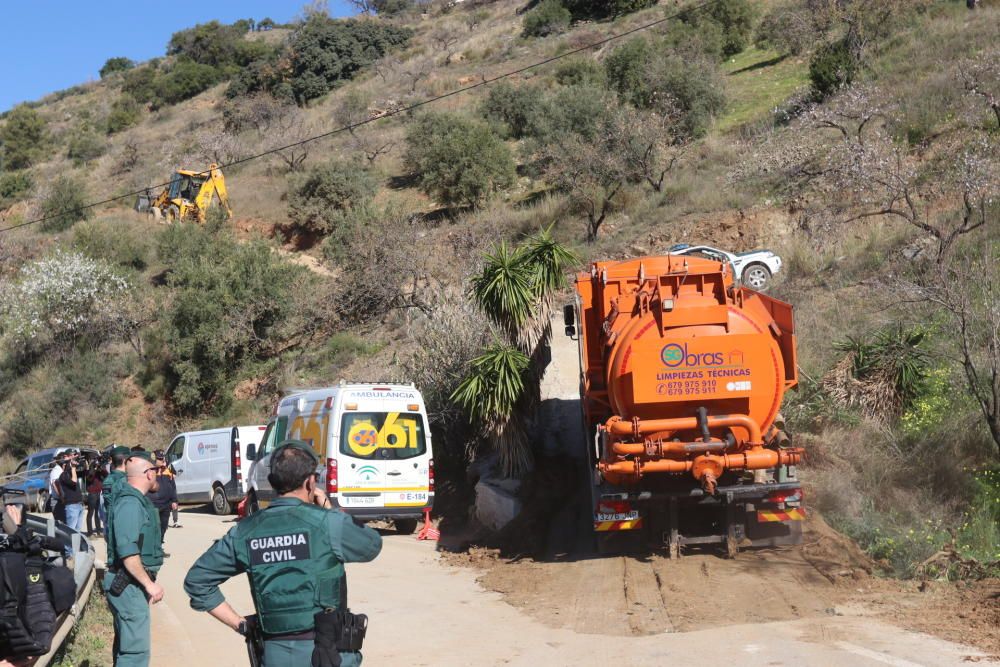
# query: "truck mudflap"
{"type": "Point", "coordinates": [756, 515]}
{"type": "Point", "coordinates": [771, 516]}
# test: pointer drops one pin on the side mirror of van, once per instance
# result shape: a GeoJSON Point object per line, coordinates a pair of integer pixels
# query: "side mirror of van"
{"type": "Point", "coordinates": [251, 452]}
{"type": "Point", "coordinates": [569, 319]}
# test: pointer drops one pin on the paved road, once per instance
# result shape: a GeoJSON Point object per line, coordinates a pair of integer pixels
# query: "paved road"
{"type": "Point", "coordinates": [426, 613]}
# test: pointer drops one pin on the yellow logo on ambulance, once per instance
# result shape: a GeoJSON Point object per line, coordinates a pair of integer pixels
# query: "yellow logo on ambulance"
{"type": "Point", "coordinates": [396, 433]}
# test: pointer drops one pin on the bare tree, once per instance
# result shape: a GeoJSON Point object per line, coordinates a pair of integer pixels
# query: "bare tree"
{"type": "Point", "coordinates": [415, 71]}
{"type": "Point", "coordinates": [353, 109]}
{"type": "Point", "coordinates": [981, 78]}
{"type": "Point", "coordinates": [884, 180]}
{"type": "Point", "coordinates": [274, 125]}
{"type": "Point", "coordinates": [651, 142]}
{"type": "Point", "coordinates": [445, 38]}
{"type": "Point", "coordinates": [594, 171]}
{"type": "Point", "coordinates": [968, 289]}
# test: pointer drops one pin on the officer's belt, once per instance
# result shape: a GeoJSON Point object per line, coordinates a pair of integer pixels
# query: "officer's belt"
{"type": "Point", "coordinates": [115, 570]}
{"type": "Point", "coordinates": [308, 635]}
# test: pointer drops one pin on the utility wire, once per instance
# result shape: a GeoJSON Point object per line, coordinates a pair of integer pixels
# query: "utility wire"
{"type": "Point", "coordinates": [395, 112]}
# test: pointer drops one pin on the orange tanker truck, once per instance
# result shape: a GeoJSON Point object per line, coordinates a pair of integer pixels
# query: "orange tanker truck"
{"type": "Point", "coordinates": [682, 375]}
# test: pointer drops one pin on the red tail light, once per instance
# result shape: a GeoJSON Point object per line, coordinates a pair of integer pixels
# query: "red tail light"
{"type": "Point", "coordinates": [331, 475]}
{"type": "Point", "coordinates": [791, 497]}
{"type": "Point", "coordinates": [237, 468]}
{"type": "Point", "coordinates": [430, 475]}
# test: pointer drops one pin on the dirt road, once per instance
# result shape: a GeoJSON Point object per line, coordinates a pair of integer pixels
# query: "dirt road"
{"type": "Point", "coordinates": [427, 612]}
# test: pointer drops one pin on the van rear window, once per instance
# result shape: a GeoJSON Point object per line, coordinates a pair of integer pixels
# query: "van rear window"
{"type": "Point", "coordinates": [382, 435]}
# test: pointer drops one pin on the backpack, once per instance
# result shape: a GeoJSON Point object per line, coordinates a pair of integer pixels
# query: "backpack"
{"type": "Point", "coordinates": [33, 593]}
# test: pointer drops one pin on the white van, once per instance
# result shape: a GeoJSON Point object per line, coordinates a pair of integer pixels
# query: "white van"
{"type": "Point", "coordinates": [374, 445]}
{"type": "Point", "coordinates": [212, 466]}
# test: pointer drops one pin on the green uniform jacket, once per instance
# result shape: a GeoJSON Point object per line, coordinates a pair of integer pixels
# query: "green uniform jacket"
{"type": "Point", "coordinates": [134, 529]}
{"type": "Point", "coordinates": [350, 543]}
{"type": "Point", "coordinates": [109, 487]}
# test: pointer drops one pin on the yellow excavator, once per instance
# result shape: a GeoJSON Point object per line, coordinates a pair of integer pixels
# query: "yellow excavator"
{"type": "Point", "coordinates": [187, 197]}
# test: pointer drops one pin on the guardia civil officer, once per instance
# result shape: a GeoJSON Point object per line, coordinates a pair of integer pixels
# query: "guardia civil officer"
{"type": "Point", "coordinates": [119, 456]}
{"type": "Point", "coordinates": [134, 557]}
{"type": "Point", "coordinates": [293, 553]}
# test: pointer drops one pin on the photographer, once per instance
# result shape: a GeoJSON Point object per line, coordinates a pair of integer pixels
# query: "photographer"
{"type": "Point", "coordinates": [69, 487]}
{"type": "Point", "coordinates": [95, 483]}
{"type": "Point", "coordinates": [55, 490]}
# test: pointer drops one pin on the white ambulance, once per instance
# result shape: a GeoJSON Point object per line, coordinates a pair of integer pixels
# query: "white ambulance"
{"type": "Point", "coordinates": [374, 446]}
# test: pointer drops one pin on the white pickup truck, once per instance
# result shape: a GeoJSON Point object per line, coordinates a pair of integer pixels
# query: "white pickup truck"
{"type": "Point", "coordinates": [753, 268]}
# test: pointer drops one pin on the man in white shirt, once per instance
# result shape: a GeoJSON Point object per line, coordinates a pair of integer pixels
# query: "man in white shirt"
{"type": "Point", "coordinates": [55, 491]}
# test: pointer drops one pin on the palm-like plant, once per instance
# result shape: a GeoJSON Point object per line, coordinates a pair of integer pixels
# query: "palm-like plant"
{"type": "Point", "coordinates": [514, 290]}
{"type": "Point", "coordinates": [490, 394]}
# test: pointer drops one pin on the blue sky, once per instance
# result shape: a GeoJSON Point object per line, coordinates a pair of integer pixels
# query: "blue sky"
{"type": "Point", "coordinates": [49, 45]}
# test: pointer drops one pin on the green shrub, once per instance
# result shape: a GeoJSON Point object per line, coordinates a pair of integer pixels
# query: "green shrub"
{"type": "Point", "coordinates": [85, 145]}
{"type": "Point", "coordinates": [581, 72]}
{"type": "Point", "coordinates": [86, 379]}
{"type": "Point", "coordinates": [229, 300]}
{"type": "Point", "coordinates": [458, 160]}
{"type": "Point", "coordinates": [118, 241]}
{"type": "Point", "coordinates": [140, 83]}
{"type": "Point", "coordinates": [22, 138]}
{"type": "Point", "coordinates": [513, 111]}
{"type": "Point", "coordinates": [323, 199]}
{"type": "Point", "coordinates": [831, 68]}
{"type": "Point", "coordinates": [64, 204]}
{"type": "Point", "coordinates": [118, 64]}
{"type": "Point", "coordinates": [125, 112]}
{"type": "Point", "coordinates": [626, 68]}
{"type": "Point", "coordinates": [549, 17]}
{"type": "Point", "coordinates": [736, 18]}
{"type": "Point", "coordinates": [392, 7]}
{"type": "Point", "coordinates": [184, 80]}
{"type": "Point", "coordinates": [704, 39]}
{"type": "Point", "coordinates": [788, 29]}
{"type": "Point", "coordinates": [221, 46]}
{"type": "Point", "coordinates": [605, 8]}
{"type": "Point", "coordinates": [648, 77]}
{"type": "Point", "coordinates": [572, 110]}
{"type": "Point", "coordinates": [321, 54]}
{"type": "Point", "coordinates": [14, 186]}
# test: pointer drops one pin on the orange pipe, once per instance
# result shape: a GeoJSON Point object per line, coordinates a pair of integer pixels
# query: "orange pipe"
{"type": "Point", "coordinates": [668, 448]}
{"type": "Point", "coordinates": [754, 459]}
{"type": "Point", "coordinates": [617, 426]}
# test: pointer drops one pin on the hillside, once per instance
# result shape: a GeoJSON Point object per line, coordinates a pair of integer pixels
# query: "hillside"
{"type": "Point", "coordinates": [350, 257]}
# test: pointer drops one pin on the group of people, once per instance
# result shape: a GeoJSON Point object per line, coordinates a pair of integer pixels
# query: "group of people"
{"type": "Point", "coordinates": [75, 484]}
{"type": "Point", "coordinates": [293, 553]}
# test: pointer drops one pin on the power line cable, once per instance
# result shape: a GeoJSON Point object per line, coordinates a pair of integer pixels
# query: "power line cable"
{"type": "Point", "coordinates": [389, 114]}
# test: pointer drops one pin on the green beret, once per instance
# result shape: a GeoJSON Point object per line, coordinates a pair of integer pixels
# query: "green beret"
{"type": "Point", "coordinates": [297, 444]}
{"type": "Point", "coordinates": [145, 456]}
{"type": "Point", "coordinates": [121, 450]}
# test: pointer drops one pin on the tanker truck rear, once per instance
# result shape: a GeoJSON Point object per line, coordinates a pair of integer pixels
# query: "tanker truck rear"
{"type": "Point", "coordinates": [682, 375]}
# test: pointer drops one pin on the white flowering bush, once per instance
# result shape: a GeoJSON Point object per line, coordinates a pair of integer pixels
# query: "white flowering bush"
{"type": "Point", "coordinates": [63, 299]}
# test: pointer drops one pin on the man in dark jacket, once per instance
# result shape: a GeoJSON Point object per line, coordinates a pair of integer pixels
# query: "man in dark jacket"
{"type": "Point", "coordinates": [164, 498]}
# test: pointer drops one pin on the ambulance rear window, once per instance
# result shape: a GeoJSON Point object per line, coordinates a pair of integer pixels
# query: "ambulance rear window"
{"type": "Point", "coordinates": [382, 435]}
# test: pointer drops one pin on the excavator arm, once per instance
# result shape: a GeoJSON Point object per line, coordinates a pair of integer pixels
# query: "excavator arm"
{"type": "Point", "coordinates": [214, 185]}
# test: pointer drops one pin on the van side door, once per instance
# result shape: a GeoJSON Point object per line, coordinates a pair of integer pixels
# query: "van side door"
{"type": "Point", "coordinates": [175, 457]}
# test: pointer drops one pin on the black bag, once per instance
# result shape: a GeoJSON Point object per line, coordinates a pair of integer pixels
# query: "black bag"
{"type": "Point", "coordinates": [62, 587]}
{"type": "Point", "coordinates": [16, 640]}
{"type": "Point", "coordinates": [39, 614]}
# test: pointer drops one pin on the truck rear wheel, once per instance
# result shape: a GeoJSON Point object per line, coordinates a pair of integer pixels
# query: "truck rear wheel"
{"type": "Point", "coordinates": [220, 503]}
{"type": "Point", "coordinates": [405, 526]}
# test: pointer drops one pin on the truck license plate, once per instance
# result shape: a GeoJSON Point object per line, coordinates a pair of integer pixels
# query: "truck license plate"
{"type": "Point", "coordinates": [620, 516]}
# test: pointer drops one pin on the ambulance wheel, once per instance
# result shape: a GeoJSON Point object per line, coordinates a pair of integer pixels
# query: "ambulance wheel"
{"type": "Point", "coordinates": [405, 526]}
{"type": "Point", "coordinates": [219, 502]}
{"type": "Point", "coordinates": [252, 505]}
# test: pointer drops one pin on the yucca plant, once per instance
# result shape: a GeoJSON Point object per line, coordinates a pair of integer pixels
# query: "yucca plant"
{"type": "Point", "coordinates": [490, 395]}
{"type": "Point", "coordinates": [882, 373]}
{"type": "Point", "coordinates": [514, 289]}
{"type": "Point", "coordinates": [505, 291]}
